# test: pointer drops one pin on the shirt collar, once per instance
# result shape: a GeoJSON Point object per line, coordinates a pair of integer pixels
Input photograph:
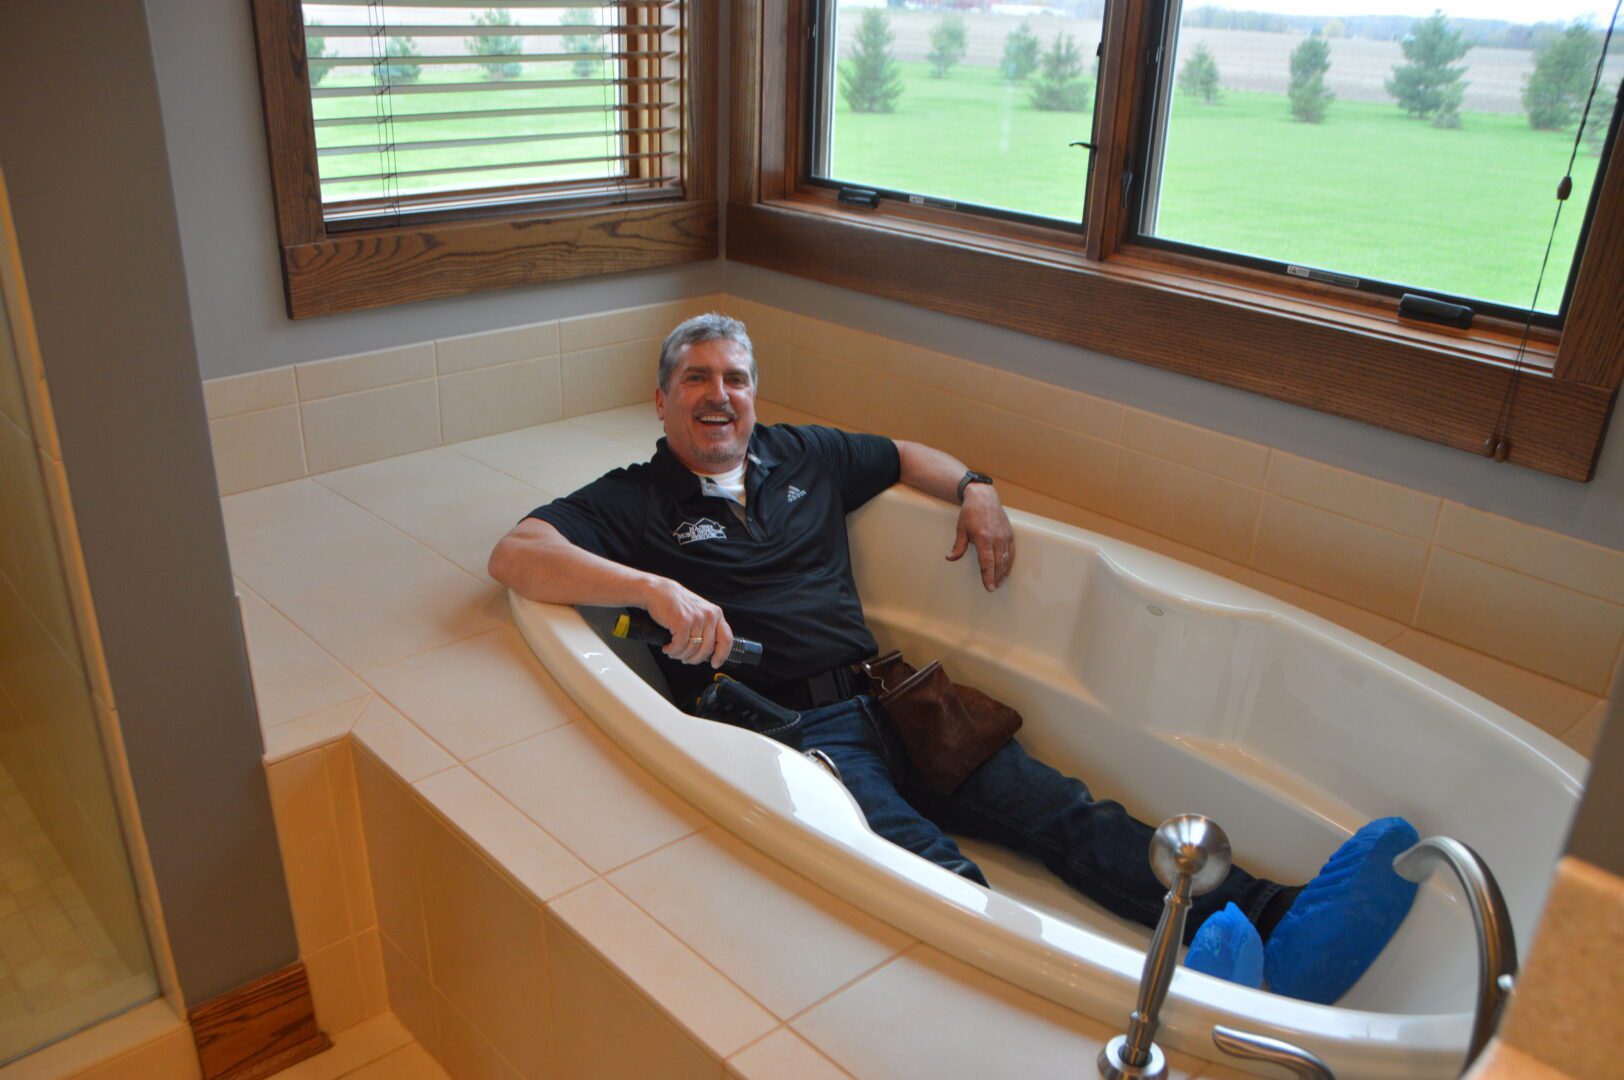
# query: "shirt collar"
{"type": "Point", "coordinates": [675, 477]}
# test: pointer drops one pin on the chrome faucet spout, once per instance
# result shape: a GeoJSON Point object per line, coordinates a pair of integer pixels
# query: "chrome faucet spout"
{"type": "Point", "coordinates": [1496, 943]}
{"type": "Point", "coordinates": [1190, 855]}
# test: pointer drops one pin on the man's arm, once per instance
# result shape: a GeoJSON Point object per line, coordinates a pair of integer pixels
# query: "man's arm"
{"type": "Point", "coordinates": [982, 521]}
{"type": "Point", "coordinates": [535, 561]}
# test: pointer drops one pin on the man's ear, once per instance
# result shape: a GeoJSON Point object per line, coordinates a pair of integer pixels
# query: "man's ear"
{"type": "Point", "coordinates": [659, 402]}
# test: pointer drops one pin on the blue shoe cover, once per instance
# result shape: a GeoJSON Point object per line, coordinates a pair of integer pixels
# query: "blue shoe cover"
{"type": "Point", "coordinates": [1342, 919]}
{"type": "Point", "coordinates": [1228, 947]}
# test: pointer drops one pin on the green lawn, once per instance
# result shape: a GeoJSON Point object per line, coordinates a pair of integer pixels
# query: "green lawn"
{"type": "Point", "coordinates": [1370, 192]}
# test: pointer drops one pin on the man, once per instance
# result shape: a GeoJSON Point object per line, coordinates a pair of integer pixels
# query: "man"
{"type": "Point", "coordinates": [733, 528]}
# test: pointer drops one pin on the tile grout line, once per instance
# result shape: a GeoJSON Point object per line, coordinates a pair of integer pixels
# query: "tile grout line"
{"type": "Point", "coordinates": [1263, 497]}
{"type": "Point", "coordinates": [477, 1030]}
{"type": "Point", "coordinates": [338, 837]}
{"type": "Point", "coordinates": [638, 991]}
{"type": "Point", "coordinates": [913, 944]}
{"type": "Point", "coordinates": [500, 794]}
{"type": "Point", "coordinates": [596, 874]}
{"type": "Point", "coordinates": [792, 1033]}
{"type": "Point", "coordinates": [703, 959]}
{"type": "Point", "coordinates": [294, 404]}
{"type": "Point", "coordinates": [1426, 569]}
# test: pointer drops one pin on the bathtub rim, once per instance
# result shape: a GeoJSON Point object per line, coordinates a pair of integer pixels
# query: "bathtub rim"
{"type": "Point", "coordinates": [1076, 967]}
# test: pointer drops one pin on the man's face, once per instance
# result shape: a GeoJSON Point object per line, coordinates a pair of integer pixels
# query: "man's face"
{"type": "Point", "coordinates": [709, 406]}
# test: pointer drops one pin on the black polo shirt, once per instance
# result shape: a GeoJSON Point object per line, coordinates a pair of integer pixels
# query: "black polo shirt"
{"type": "Point", "coordinates": [782, 575]}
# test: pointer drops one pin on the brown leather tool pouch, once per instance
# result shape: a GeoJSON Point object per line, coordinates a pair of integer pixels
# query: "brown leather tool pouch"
{"type": "Point", "coordinates": [947, 730]}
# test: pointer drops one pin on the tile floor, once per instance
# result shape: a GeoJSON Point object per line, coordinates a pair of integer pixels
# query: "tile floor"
{"type": "Point", "coordinates": [376, 1049]}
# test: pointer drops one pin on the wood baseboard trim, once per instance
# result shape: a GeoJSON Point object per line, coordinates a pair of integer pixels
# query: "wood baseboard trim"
{"type": "Point", "coordinates": [258, 1029]}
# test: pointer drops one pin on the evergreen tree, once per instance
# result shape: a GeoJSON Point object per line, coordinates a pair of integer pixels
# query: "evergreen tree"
{"type": "Point", "coordinates": [1427, 85]}
{"type": "Point", "coordinates": [582, 43]}
{"type": "Point", "coordinates": [1021, 50]}
{"type": "Point", "coordinates": [495, 44]}
{"type": "Point", "coordinates": [1563, 67]}
{"type": "Point", "coordinates": [1309, 63]}
{"type": "Point", "coordinates": [870, 80]}
{"type": "Point", "coordinates": [316, 48]}
{"type": "Point", "coordinates": [399, 72]}
{"type": "Point", "coordinates": [1060, 86]}
{"type": "Point", "coordinates": [947, 45]}
{"type": "Point", "coordinates": [1601, 115]}
{"type": "Point", "coordinates": [1199, 76]}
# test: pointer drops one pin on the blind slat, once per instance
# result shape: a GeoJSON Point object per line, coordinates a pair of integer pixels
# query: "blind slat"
{"type": "Point", "coordinates": [515, 30]}
{"type": "Point", "coordinates": [492, 168]}
{"type": "Point", "coordinates": [480, 114]}
{"type": "Point", "coordinates": [491, 58]}
{"type": "Point", "coordinates": [612, 192]}
{"type": "Point", "coordinates": [534, 4]}
{"type": "Point", "coordinates": [371, 91]}
{"type": "Point", "coordinates": [489, 140]}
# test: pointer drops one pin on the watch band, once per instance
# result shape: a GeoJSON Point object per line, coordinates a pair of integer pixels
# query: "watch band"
{"type": "Point", "coordinates": [972, 477]}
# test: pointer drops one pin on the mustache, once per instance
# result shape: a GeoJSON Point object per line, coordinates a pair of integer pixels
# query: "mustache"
{"type": "Point", "coordinates": [712, 411]}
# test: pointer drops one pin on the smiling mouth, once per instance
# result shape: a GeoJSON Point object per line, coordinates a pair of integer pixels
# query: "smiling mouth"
{"type": "Point", "coordinates": [715, 419]}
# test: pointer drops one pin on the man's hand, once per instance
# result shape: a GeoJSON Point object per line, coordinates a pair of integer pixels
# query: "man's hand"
{"type": "Point", "coordinates": [982, 522]}
{"type": "Point", "coordinates": [699, 632]}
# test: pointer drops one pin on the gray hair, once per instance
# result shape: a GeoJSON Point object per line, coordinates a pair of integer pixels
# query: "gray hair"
{"type": "Point", "coordinates": [698, 330]}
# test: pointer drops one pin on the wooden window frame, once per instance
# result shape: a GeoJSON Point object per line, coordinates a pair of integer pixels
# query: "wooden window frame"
{"type": "Point", "coordinates": [1331, 349]}
{"type": "Point", "coordinates": [330, 270]}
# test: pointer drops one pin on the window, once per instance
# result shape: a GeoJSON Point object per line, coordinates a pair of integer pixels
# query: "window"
{"type": "Point", "coordinates": [945, 107]}
{"type": "Point", "coordinates": [462, 107]}
{"type": "Point", "coordinates": [1387, 153]}
{"type": "Point", "coordinates": [1192, 219]}
{"type": "Point", "coordinates": [486, 144]}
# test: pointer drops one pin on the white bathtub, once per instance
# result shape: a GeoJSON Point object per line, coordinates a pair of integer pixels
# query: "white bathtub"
{"type": "Point", "coordinates": [1172, 690]}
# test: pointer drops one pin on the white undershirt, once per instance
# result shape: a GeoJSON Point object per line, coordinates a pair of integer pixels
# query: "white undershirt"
{"type": "Point", "coordinates": [731, 482]}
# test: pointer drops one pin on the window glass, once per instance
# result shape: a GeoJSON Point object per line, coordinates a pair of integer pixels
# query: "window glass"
{"type": "Point", "coordinates": [965, 106]}
{"type": "Point", "coordinates": [413, 102]}
{"type": "Point", "coordinates": [1400, 146]}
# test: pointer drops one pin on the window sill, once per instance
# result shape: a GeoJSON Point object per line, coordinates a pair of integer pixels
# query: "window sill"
{"type": "Point", "coordinates": [375, 268]}
{"type": "Point", "coordinates": [1352, 360]}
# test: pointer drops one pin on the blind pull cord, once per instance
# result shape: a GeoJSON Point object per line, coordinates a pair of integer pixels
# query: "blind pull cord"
{"type": "Point", "coordinates": [383, 107]}
{"type": "Point", "coordinates": [1498, 444]}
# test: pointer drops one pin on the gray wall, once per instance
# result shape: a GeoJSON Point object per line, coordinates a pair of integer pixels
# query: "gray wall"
{"type": "Point", "coordinates": [1593, 511]}
{"type": "Point", "coordinates": [82, 146]}
{"type": "Point", "coordinates": [209, 85]}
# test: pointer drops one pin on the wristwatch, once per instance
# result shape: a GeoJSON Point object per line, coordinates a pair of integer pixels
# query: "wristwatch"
{"type": "Point", "coordinates": [972, 477]}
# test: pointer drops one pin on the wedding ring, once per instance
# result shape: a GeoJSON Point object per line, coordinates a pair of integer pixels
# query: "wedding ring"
{"type": "Point", "coordinates": [696, 640]}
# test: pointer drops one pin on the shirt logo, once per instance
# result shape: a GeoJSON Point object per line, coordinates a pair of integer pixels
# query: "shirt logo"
{"type": "Point", "coordinates": [703, 529]}
{"type": "Point", "coordinates": [795, 493]}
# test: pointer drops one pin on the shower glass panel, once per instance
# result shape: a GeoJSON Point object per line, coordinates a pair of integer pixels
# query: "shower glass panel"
{"type": "Point", "coordinates": [73, 946]}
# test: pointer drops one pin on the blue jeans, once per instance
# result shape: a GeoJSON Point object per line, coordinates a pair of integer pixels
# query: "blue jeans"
{"type": "Point", "coordinates": [1016, 801]}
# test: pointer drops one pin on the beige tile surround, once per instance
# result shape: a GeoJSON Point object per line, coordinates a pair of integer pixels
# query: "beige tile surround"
{"type": "Point", "coordinates": [431, 781]}
{"type": "Point", "coordinates": [1380, 558]}
{"type": "Point", "coordinates": [271, 426]}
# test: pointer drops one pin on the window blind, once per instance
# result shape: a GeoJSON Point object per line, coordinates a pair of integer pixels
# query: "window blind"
{"type": "Point", "coordinates": [425, 106]}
